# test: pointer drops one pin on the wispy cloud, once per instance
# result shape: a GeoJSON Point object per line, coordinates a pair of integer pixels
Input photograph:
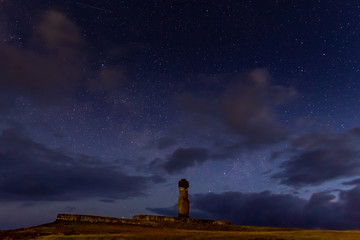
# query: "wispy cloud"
{"type": "Point", "coordinates": [32, 171]}
{"type": "Point", "coordinates": [315, 158]}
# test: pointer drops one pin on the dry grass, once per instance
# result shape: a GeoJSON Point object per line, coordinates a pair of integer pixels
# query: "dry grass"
{"type": "Point", "coordinates": [194, 235]}
{"type": "Point", "coordinates": [62, 231]}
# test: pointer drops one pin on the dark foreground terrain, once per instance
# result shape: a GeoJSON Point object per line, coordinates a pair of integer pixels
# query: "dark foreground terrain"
{"type": "Point", "coordinates": [95, 231]}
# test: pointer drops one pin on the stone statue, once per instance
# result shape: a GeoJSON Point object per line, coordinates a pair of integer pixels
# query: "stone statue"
{"type": "Point", "coordinates": [183, 202]}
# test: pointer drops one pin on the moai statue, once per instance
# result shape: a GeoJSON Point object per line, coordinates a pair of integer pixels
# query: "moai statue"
{"type": "Point", "coordinates": [183, 202]}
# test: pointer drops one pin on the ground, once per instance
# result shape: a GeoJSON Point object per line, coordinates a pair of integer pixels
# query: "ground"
{"type": "Point", "coordinates": [105, 231]}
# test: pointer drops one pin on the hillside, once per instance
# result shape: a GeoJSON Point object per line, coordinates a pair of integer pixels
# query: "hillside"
{"type": "Point", "coordinates": [168, 230]}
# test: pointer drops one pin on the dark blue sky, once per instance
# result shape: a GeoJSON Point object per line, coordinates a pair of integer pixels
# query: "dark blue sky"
{"type": "Point", "coordinates": [105, 105]}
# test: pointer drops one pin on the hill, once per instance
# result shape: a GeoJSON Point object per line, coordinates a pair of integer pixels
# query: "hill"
{"type": "Point", "coordinates": [144, 229]}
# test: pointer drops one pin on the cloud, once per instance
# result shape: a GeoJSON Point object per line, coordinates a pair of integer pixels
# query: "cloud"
{"type": "Point", "coordinates": [51, 67]}
{"type": "Point", "coordinates": [183, 158]}
{"type": "Point", "coordinates": [165, 142]}
{"type": "Point", "coordinates": [322, 210]}
{"type": "Point", "coordinates": [351, 206]}
{"type": "Point", "coordinates": [315, 158]}
{"type": "Point", "coordinates": [59, 34]}
{"type": "Point", "coordinates": [43, 78]}
{"type": "Point", "coordinates": [47, 62]}
{"type": "Point", "coordinates": [352, 182]}
{"type": "Point", "coordinates": [162, 143]}
{"type": "Point", "coordinates": [251, 209]}
{"type": "Point", "coordinates": [108, 79]}
{"type": "Point", "coordinates": [52, 63]}
{"type": "Point", "coordinates": [247, 109]}
{"type": "Point", "coordinates": [240, 116]}
{"type": "Point", "coordinates": [244, 108]}
{"type": "Point", "coordinates": [32, 171]}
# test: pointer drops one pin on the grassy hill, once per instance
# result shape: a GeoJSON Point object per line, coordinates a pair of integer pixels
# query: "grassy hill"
{"type": "Point", "coordinates": [104, 231]}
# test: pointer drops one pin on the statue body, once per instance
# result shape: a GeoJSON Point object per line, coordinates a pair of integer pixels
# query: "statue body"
{"type": "Point", "coordinates": [183, 202]}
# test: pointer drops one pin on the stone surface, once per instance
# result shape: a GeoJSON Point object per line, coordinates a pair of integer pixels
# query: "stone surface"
{"type": "Point", "coordinates": [183, 201]}
{"type": "Point", "coordinates": [91, 219]}
{"type": "Point", "coordinates": [152, 220]}
{"type": "Point", "coordinates": [177, 219]}
{"type": "Point", "coordinates": [183, 183]}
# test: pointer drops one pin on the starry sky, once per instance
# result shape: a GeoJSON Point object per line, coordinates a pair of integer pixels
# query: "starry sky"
{"type": "Point", "coordinates": [106, 105]}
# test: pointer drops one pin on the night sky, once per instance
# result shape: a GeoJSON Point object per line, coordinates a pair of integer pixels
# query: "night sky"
{"type": "Point", "coordinates": [106, 105]}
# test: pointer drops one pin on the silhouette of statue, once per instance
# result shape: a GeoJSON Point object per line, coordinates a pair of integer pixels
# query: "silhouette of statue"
{"type": "Point", "coordinates": [183, 202]}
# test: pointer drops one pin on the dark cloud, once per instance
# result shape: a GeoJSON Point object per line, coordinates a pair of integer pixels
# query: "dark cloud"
{"type": "Point", "coordinates": [248, 109]}
{"type": "Point", "coordinates": [315, 158]}
{"type": "Point", "coordinates": [162, 143]}
{"type": "Point", "coordinates": [58, 34]}
{"type": "Point", "coordinates": [165, 142]}
{"type": "Point", "coordinates": [353, 182]}
{"type": "Point", "coordinates": [351, 209]}
{"type": "Point", "coordinates": [107, 200]}
{"type": "Point", "coordinates": [183, 158]}
{"type": "Point", "coordinates": [108, 79]}
{"type": "Point", "coordinates": [32, 171]}
{"type": "Point", "coordinates": [322, 210]}
{"type": "Point", "coordinates": [250, 209]}
{"type": "Point", "coordinates": [245, 108]}
{"type": "Point", "coordinates": [52, 63]}
{"type": "Point", "coordinates": [51, 67]}
{"type": "Point", "coordinates": [239, 116]}
{"type": "Point", "coordinates": [186, 156]}
{"type": "Point", "coordinates": [156, 165]}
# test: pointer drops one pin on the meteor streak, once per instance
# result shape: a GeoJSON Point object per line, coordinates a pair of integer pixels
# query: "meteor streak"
{"type": "Point", "coordinates": [93, 7]}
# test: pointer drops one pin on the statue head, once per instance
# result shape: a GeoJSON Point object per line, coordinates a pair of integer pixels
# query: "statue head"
{"type": "Point", "coordinates": [184, 183]}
